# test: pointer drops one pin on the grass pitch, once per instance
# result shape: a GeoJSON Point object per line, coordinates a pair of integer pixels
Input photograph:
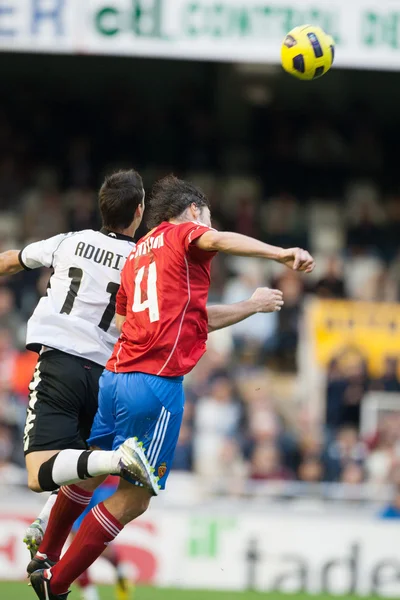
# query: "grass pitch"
{"type": "Point", "coordinates": [20, 591]}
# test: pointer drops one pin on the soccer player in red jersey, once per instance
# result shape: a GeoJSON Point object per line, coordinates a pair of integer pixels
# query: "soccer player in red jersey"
{"type": "Point", "coordinates": [161, 309]}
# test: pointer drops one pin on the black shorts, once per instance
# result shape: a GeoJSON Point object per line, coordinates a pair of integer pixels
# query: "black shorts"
{"type": "Point", "coordinates": [63, 401]}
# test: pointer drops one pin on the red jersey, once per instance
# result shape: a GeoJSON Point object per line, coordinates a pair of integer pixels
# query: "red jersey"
{"type": "Point", "coordinates": [163, 293]}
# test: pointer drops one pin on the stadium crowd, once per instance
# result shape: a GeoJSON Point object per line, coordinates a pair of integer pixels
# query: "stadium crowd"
{"type": "Point", "coordinates": [240, 418]}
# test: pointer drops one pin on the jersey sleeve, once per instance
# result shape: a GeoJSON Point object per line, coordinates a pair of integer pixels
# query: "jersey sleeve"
{"type": "Point", "coordinates": [190, 232]}
{"type": "Point", "coordinates": [41, 254]}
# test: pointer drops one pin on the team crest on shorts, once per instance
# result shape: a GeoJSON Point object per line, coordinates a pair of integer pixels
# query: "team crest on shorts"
{"type": "Point", "coordinates": [162, 469]}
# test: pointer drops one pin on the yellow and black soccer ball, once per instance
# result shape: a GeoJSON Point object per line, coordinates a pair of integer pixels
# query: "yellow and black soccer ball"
{"type": "Point", "coordinates": [307, 52]}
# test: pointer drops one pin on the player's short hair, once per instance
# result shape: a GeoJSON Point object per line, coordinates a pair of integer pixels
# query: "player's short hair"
{"type": "Point", "coordinates": [170, 198]}
{"type": "Point", "coordinates": [119, 196]}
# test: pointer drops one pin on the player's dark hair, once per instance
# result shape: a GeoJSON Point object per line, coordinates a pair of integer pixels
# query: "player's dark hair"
{"type": "Point", "coordinates": [170, 198]}
{"type": "Point", "coordinates": [119, 197]}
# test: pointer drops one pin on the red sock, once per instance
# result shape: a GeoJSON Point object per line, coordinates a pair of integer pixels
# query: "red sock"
{"type": "Point", "coordinates": [83, 580]}
{"type": "Point", "coordinates": [70, 504]}
{"type": "Point", "coordinates": [98, 529]}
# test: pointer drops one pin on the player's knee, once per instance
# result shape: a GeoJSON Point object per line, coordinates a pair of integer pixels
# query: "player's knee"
{"type": "Point", "coordinates": [33, 482]}
{"type": "Point", "coordinates": [133, 510]}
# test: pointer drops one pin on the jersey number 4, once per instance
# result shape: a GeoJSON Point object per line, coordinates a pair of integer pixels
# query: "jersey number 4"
{"type": "Point", "coordinates": [112, 288]}
{"type": "Point", "coordinates": [151, 304]}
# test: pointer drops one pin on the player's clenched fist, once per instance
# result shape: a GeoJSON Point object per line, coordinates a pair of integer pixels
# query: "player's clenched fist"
{"type": "Point", "coordinates": [297, 259]}
{"type": "Point", "coordinates": [267, 300]}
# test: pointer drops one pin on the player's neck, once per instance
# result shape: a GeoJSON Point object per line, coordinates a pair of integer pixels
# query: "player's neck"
{"type": "Point", "coordinates": [129, 231]}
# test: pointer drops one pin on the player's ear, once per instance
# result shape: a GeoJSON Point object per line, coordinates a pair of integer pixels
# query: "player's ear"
{"type": "Point", "coordinates": [194, 211]}
{"type": "Point", "coordinates": [139, 211]}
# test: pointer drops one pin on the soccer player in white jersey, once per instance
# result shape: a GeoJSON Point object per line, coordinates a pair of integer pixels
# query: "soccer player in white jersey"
{"type": "Point", "coordinates": [73, 329]}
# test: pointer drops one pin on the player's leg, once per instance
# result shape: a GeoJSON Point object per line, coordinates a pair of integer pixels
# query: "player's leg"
{"type": "Point", "coordinates": [57, 392]}
{"type": "Point", "coordinates": [35, 532]}
{"type": "Point", "coordinates": [71, 502]}
{"type": "Point", "coordinates": [71, 466]}
{"type": "Point", "coordinates": [90, 376]}
{"type": "Point", "coordinates": [58, 397]}
{"type": "Point", "coordinates": [110, 553]}
{"type": "Point", "coordinates": [73, 499]}
{"type": "Point", "coordinates": [150, 408]}
{"type": "Point", "coordinates": [88, 590]}
{"type": "Point", "coordinates": [99, 528]}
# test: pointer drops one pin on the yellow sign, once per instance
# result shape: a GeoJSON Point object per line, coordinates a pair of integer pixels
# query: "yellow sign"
{"type": "Point", "coordinates": [341, 327]}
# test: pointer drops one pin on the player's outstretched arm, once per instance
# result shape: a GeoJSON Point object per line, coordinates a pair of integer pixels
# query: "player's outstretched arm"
{"type": "Point", "coordinates": [9, 262]}
{"type": "Point", "coordinates": [264, 300]}
{"type": "Point", "coordinates": [241, 245]}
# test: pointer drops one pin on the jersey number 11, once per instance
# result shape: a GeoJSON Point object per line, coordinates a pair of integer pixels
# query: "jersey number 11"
{"type": "Point", "coordinates": [76, 274]}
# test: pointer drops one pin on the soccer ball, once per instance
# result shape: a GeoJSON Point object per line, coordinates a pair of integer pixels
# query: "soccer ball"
{"type": "Point", "coordinates": [307, 52]}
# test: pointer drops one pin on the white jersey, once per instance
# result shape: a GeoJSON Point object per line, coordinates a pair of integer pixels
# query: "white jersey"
{"type": "Point", "coordinates": [77, 314]}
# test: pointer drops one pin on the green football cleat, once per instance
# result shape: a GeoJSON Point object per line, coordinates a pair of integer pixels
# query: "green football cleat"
{"type": "Point", "coordinates": [133, 463]}
{"type": "Point", "coordinates": [34, 536]}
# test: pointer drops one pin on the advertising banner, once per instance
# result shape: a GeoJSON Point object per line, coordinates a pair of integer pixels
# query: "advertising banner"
{"type": "Point", "coordinates": [342, 329]}
{"type": "Point", "coordinates": [190, 549]}
{"type": "Point", "coordinates": [367, 33]}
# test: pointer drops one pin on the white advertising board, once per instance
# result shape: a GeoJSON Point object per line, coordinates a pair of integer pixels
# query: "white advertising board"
{"type": "Point", "coordinates": [367, 33]}
{"type": "Point", "coordinates": [192, 549]}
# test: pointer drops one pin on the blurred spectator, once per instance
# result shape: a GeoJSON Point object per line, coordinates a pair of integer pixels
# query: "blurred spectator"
{"type": "Point", "coordinates": [353, 474]}
{"type": "Point", "coordinates": [183, 457]}
{"type": "Point", "coordinates": [288, 328]}
{"type": "Point", "coordinates": [217, 416]}
{"type": "Point", "coordinates": [43, 214]}
{"type": "Point", "coordinates": [346, 448]}
{"type": "Point", "coordinates": [346, 385]}
{"type": "Point", "coordinates": [266, 464]}
{"type": "Point", "coordinates": [10, 319]}
{"type": "Point", "coordinates": [232, 468]}
{"type": "Point", "coordinates": [259, 330]}
{"type": "Point", "coordinates": [10, 473]}
{"type": "Point", "coordinates": [311, 470]}
{"type": "Point", "coordinates": [389, 382]}
{"type": "Point", "coordinates": [83, 213]}
{"type": "Point", "coordinates": [366, 233]}
{"type": "Point", "coordinates": [331, 285]}
{"type": "Point", "coordinates": [385, 452]}
{"type": "Point", "coordinates": [392, 510]}
{"type": "Point", "coordinates": [282, 221]}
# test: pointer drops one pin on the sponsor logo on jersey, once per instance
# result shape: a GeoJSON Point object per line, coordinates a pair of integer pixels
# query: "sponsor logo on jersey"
{"type": "Point", "coordinates": [162, 469]}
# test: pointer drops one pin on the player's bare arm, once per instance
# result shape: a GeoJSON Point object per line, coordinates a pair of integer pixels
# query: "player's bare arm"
{"type": "Point", "coordinates": [9, 263]}
{"type": "Point", "coordinates": [264, 300]}
{"type": "Point", "coordinates": [241, 245]}
{"type": "Point", "coordinates": [119, 321]}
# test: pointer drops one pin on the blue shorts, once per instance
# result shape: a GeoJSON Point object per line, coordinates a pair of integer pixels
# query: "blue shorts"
{"type": "Point", "coordinates": [139, 405]}
{"type": "Point", "coordinates": [99, 495]}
